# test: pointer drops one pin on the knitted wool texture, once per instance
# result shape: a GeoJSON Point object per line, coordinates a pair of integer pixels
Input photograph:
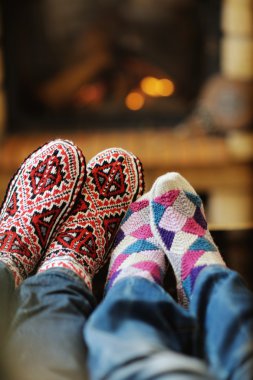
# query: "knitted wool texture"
{"type": "Point", "coordinates": [135, 251]}
{"type": "Point", "coordinates": [114, 180]}
{"type": "Point", "coordinates": [38, 199]}
{"type": "Point", "coordinates": [179, 225]}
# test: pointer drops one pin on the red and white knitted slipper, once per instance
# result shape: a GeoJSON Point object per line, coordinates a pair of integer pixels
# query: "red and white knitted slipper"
{"type": "Point", "coordinates": [38, 200]}
{"type": "Point", "coordinates": [114, 180]}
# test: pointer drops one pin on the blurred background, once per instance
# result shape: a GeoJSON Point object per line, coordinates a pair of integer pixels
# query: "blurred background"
{"type": "Point", "coordinates": [169, 80]}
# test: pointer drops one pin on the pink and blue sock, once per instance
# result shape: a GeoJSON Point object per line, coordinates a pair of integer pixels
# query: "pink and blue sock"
{"type": "Point", "coordinates": [135, 251]}
{"type": "Point", "coordinates": [179, 225]}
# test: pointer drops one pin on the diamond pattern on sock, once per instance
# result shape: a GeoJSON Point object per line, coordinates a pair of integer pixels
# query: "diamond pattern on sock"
{"type": "Point", "coordinates": [11, 242]}
{"type": "Point", "coordinates": [80, 240]}
{"type": "Point", "coordinates": [46, 175]}
{"type": "Point", "coordinates": [110, 179]}
{"type": "Point", "coordinates": [12, 207]}
{"type": "Point", "coordinates": [110, 225]}
{"type": "Point", "coordinates": [135, 251]}
{"type": "Point", "coordinates": [114, 180]}
{"type": "Point", "coordinates": [44, 221]}
{"type": "Point", "coordinates": [38, 199]}
{"type": "Point", "coordinates": [179, 225]}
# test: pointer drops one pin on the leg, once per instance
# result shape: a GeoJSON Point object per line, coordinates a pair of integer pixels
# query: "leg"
{"type": "Point", "coordinates": [6, 304]}
{"type": "Point", "coordinates": [216, 296]}
{"type": "Point", "coordinates": [38, 198]}
{"type": "Point", "coordinates": [6, 299]}
{"type": "Point", "coordinates": [45, 340]}
{"type": "Point", "coordinates": [140, 332]}
{"type": "Point", "coordinates": [223, 307]}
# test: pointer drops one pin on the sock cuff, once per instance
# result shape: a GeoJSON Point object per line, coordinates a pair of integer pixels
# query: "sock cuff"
{"type": "Point", "coordinates": [132, 271]}
{"type": "Point", "coordinates": [67, 262]}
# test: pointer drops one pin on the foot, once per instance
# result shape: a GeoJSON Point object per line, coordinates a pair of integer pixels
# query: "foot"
{"type": "Point", "coordinates": [179, 225]}
{"type": "Point", "coordinates": [114, 180]}
{"type": "Point", "coordinates": [135, 251]}
{"type": "Point", "coordinates": [39, 198]}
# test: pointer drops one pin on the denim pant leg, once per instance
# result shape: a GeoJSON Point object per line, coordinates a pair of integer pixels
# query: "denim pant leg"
{"type": "Point", "coordinates": [223, 306]}
{"type": "Point", "coordinates": [7, 290]}
{"type": "Point", "coordinates": [139, 332]}
{"type": "Point", "coordinates": [46, 341]}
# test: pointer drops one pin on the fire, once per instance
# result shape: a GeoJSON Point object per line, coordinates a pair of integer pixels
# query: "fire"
{"type": "Point", "coordinates": [157, 87]}
{"type": "Point", "coordinates": [134, 101]}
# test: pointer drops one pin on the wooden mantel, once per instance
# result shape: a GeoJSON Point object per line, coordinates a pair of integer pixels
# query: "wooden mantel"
{"type": "Point", "coordinates": [220, 167]}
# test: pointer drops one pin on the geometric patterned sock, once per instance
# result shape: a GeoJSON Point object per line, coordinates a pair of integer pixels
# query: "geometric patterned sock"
{"type": "Point", "coordinates": [38, 199]}
{"type": "Point", "coordinates": [135, 251]}
{"type": "Point", "coordinates": [179, 225]}
{"type": "Point", "coordinates": [114, 180]}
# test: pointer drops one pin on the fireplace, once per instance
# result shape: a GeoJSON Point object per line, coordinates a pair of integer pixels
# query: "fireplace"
{"type": "Point", "coordinates": [83, 64]}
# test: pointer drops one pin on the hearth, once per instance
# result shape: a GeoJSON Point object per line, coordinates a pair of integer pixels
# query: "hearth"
{"type": "Point", "coordinates": [83, 64]}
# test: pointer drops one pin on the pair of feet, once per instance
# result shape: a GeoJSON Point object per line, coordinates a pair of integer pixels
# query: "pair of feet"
{"type": "Point", "coordinates": [166, 225]}
{"type": "Point", "coordinates": [57, 214]}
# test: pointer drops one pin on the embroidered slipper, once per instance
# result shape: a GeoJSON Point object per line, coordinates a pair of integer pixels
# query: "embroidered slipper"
{"type": "Point", "coordinates": [114, 180]}
{"type": "Point", "coordinates": [38, 200]}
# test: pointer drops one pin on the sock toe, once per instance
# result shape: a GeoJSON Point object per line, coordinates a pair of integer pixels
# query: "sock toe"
{"type": "Point", "coordinates": [170, 181]}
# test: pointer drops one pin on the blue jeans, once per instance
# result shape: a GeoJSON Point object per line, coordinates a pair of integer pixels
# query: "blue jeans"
{"type": "Point", "coordinates": [140, 332]}
{"type": "Point", "coordinates": [137, 332]}
{"type": "Point", "coordinates": [45, 338]}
